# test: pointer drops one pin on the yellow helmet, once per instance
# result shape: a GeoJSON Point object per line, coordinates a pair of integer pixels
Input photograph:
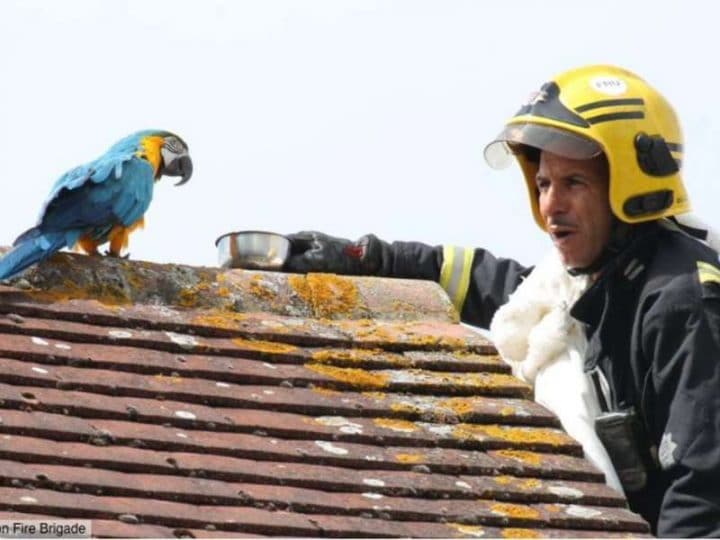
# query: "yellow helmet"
{"type": "Point", "coordinates": [591, 110]}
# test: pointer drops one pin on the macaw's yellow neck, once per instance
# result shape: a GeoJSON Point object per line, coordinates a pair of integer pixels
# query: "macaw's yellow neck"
{"type": "Point", "coordinates": [150, 150]}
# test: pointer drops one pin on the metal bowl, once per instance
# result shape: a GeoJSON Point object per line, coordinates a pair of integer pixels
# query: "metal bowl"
{"type": "Point", "coordinates": [258, 250]}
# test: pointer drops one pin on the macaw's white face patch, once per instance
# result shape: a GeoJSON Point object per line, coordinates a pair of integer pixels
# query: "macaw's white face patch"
{"type": "Point", "coordinates": [172, 149]}
{"type": "Point", "coordinates": [666, 452]}
{"type": "Point", "coordinates": [175, 145]}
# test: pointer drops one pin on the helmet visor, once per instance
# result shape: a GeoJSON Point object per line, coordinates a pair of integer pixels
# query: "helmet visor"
{"type": "Point", "coordinates": [499, 153]}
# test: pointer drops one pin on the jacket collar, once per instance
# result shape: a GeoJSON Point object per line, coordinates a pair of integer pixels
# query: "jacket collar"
{"type": "Point", "coordinates": [622, 270]}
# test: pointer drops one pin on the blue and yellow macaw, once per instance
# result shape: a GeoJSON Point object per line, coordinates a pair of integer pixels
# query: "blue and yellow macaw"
{"type": "Point", "coordinates": [101, 201]}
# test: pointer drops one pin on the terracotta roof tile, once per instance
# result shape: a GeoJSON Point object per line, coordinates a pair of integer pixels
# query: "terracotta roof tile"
{"type": "Point", "coordinates": [161, 400]}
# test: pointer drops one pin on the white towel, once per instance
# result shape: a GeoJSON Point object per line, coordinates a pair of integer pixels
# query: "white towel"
{"type": "Point", "coordinates": [545, 347]}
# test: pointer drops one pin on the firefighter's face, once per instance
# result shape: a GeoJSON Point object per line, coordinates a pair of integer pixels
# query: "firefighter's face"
{"type": "Point", "coordinates": [575, 206]}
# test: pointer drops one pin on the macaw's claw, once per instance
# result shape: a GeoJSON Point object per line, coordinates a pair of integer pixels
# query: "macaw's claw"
{"type": "Point", "coordinates": [110, 253]}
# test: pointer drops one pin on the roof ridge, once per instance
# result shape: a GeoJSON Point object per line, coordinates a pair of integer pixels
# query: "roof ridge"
{"type": "Point", "coordinates": [120, 282]}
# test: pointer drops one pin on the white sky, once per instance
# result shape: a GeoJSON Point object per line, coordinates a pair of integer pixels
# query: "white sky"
{"type": "Point", "coordinates": [347, 117]}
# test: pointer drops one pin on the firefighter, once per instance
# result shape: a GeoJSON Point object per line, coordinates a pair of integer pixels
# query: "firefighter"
{"type": "Point", "coordinates": [601, 153]}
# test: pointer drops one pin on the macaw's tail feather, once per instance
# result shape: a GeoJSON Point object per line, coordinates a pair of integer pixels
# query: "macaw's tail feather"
{"type": "Point", "coordinates": [28, 250]}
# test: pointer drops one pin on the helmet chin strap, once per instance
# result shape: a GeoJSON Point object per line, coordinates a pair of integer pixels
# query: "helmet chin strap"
{"type": "Point", "coordinates": [621, 234]}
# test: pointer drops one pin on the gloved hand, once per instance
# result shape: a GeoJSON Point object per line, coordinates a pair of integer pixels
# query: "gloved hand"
{"type": "Point", "coordinates": [312, 251]}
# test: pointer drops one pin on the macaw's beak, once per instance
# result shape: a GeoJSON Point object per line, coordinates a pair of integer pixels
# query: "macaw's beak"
{"type": "Point", "coordinates": [181, 166]}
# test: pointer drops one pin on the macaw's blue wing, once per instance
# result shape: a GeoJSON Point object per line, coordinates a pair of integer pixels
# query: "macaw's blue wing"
{"type": "Point", "coordinates": [96, 172]}
{"type": "Point", "coordinates": [87, 201]}
{"type": "Point", "coordinates": [121, 198]}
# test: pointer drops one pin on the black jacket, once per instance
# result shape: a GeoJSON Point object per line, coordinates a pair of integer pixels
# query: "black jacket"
{"type": "Point", "coordinates": [652, 321]}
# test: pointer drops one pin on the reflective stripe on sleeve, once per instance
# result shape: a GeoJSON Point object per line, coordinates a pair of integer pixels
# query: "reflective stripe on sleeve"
{"type": "Point", "coordinates": [455, 273]}
{"type": "Point", "coordinates": [708, 272]}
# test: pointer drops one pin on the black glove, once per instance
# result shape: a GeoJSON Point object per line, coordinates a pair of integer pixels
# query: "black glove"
{"type": "Point", "coordinates": [312, 251]}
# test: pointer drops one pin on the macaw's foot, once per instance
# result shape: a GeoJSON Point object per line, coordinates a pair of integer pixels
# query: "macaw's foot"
{"type": "Point", "coordinates": [87, 245]}
{"type": "Point", "coordinates": [111, 253]}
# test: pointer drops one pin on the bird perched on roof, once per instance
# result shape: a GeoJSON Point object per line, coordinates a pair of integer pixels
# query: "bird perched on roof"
{"type": "Point", "coordinates": [101, 201]}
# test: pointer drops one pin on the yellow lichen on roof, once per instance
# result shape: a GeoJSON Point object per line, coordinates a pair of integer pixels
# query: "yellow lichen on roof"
{"type": "Point", "coordinates": [405, 407]}
{"type": "Point", "coordinates": [325, 391]}
{"type": "Point", "coordinates": [299, 284]}
{"type": "Point", "coordinates": [171, 379]}
{"type": "Point", "coordinates": [413, 333]}
{"type": "Point", "coordinates": [191, 296]}
{"type": "Point", "coordinates": [353, 355]}
{"type": "Point", "coordinates": [374, 333]}
{"type": "Point", "coordinates": [261, 288]}
{"type": "Point", "coordinates": [228, 320]}
{"type": "Point", "coordinates": [515, 532]}
{"type": "Point", "coordinates": [503, 480]}
{"type": "Point", "coordinates": [328, 294]}
{"type": "Point", "coordinates": [223, 291]}
{"type": "Point", "coordinates": [410, 458]}
{"type": "Point", "coordinates": [530, 458]}
{"type": "Point", "coordinates": [479, 380]}
{"type": "Point", "coordinates": [511, 434]}
{"type": "Point", "coordinates": [460, 406]}
{"type": "Point", "coordinates": [134, 274]}
{"type": "Point", "coordinates": [368, 330]}
{"type": "Point", "coordinates": [351, 324]}
{"type": "Point", "coordinates": [524, 484]}
{"type": "Point", "coordinates": [531, 484]}
{"type": "Point", "coordinates": [396, 425]}
{"type": "Point", "coordinates": [107, 293]}
{"type": "Point", "coordinates": [377, 396]}
{"type": "Point", "coordinates": [421, 341]}
{"type": "Point", "coordinates": [514, 510]}
{"type": "Point", "coordinates": [404, 305]}
{"type": "Point", "coordinates": [264, 346]}
{"type": "Point", "coordinates": [359, 378]}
